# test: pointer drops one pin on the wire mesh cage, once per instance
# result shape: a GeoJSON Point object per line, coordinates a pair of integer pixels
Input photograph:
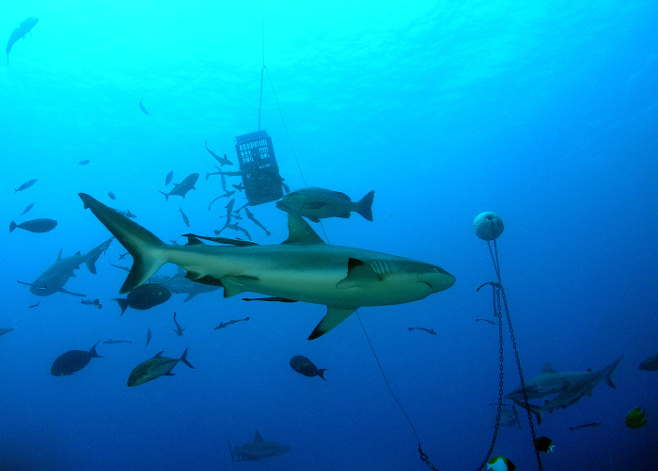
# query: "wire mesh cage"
{"type": "Point", "coordinates": [258, 167]}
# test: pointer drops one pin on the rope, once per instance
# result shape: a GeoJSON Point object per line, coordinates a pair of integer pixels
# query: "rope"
{"type": "Point", "coordinates": [262, 30]}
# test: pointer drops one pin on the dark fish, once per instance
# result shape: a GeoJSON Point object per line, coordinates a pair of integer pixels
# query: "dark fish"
{"type": "Point", "coordinates": [429, 331]}
{"type": "Point", "coordinates": [227, 323]}
{"type": "Point", "coordinates": [225, 195]}
{"type": "Point", "coordinates": [255, 221]}
{"type": "Point", "coordinates": [544, 444]}
{"type": "Point", "coordinates": [25, 185]}
{"type": "Point", "coordinates": [222, 161]}
{"type": "Point", "coordinates": [141, 107]}
{"type": "Point", "coordinates": [144, 297]}
{"type": "Point", "coordinates": [180, 189]}
{"type": "Point", "coordinates": [148, 337]}
{"type": "Point", "coordinates": [229, 211]}
{"type": "Point", "coordinates": [118, 341]}
{"type": "Point", "coordinates": [318, 203]}
{"type": "Point", "coordinates": [591, 424]}
{"type": "Point", "coordinates": [5, 330]}
{"type": "Point", "coordinates": [123, 255]}
{"type": "Point", "coordinates": [179, 330]}
{"type": "Point", "coordinates": [170, 175]}
{"type": "Point", "coordinates": [89, 302]}
{"type": "Point", "coordinates": [34, 225]}
{"type": "Point", "coordinates": [271, 298]}
{"type": "Point", "coordinates": [72, 361]}
{"type": "Point", "coordinates": [486, 320]}
{"type": "Point", "coordinates": [32, 306]}
{"type": "Point", "coordinates": [27, 208]}
{"type": "Point", "coordinates": [83, 162]}
{"type": "Point", "coordinates": [650, 364]}
{"type": "Point", "coordinates": [185, 220]}
{"type": "Point", "coordinates": [111, 195]}
{"type": "Point", "coordinates": [306, 367]}
{"type": "Point", "coordinates": [636, 418]}
{"type": "Point", "coordinates": [154, 368]}
{"type": "Point", "coordinates": [20, 32]}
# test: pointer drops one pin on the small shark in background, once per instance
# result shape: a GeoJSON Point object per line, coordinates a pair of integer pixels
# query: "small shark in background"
{"type": "Point", "coordinates": [55, 277]}
{"type": "Point", "coordinates": [227, 323]}
{"type": "Point", "coordinates": [258, 449]}
{"type": "Point", "coordinates": [179, 330]}
{"type": "Point", "coordinates": [429, 331]}
{"type": "Point", "coordinates": [180, 189]}
{"type": "Point", "coordinates": [568, 387]}
{"type": "Point", "coordinates": [20, 32]}
{"type": "Point", "coordinates": [141, 107]}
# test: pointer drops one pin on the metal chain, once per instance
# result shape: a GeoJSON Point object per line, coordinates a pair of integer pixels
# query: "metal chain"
{"type": "Point", "coordinates": [525, 391]}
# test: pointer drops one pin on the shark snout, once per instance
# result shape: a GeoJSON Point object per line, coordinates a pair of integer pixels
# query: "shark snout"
{"type": "Point", "coordinates": [438, 279]}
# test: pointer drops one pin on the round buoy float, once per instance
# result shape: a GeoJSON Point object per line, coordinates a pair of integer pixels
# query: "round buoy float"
{"type": "Point", "coordinates": [488, 226]}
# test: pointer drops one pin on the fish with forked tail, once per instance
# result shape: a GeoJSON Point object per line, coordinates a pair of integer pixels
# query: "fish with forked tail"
{"type": "Point", "coordinates": [154, 368]}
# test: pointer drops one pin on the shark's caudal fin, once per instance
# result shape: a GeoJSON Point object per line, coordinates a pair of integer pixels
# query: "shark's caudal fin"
{"type": "Point", "coordinates": [364, 207]}
{"type": "Point", "coordinates": [92, 256]}
{"type": "Point", "coordinates": [144, 247]}
{"type": "Point", "coordinates": [607, 372]}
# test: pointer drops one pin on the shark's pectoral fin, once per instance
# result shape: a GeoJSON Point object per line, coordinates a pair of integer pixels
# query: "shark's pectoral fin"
{"type": "Point", "coordinates": [358, 274]}
{"type": "Point", "coordinates": [23, 283]}
{"type": "Point", "coordinates": [62, 290]}
{"type": "Point", "coordinates": [189, 296]}
{"type": "Point", "coordinates": [335, 315]}
{"type": "Point", "coordinates": [236, 284]}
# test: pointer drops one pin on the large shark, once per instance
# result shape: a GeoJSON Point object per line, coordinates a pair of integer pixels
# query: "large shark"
{"type": "Point", "coordinates": [302, 268]}
{"type": "Point", "coordinates": [568, 387]}
{"type": "Point", "coordinates": [55, 277]}
{"type": "Point", "coordinates": [20, 32]}
{"type": "Point", "coordinates": [258, 449]}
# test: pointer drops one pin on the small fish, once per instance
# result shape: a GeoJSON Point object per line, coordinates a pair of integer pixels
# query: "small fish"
{"type": "Point", "coordinates": [303, 365]}
{"type": "Point", "coordinates": [179, 330]}
{"type": "Point", "coordinates": [34, 225]}
{"type": "Point", "coordinates": [92, 302]}
{"type": "Point", "coordinates": [235, 227]}
{"type": "Point", "coordinates": [271, 298]}
{"type": "Point", "coordinates": [222, 161]}
{"type": "Point", "coordinates": [111, 195]}
{"type": "Point", "coordinates": [255, 221]}
{"type": "Point", "coordinates": [141, 107]}
{"type": "Point", "coordinates": [591, 424]}
{"type": "Point", "coordinates": [500, 463]}
{"type": "Point", "coordinates": [429, 331]}
{"type": "Point", "coordinates": [636, 418]}
{"type": "Point", "coordinates": [225, 195]}
{"type": "Point", "coordinates": [144, 297]}
{"type": "Point", "coordinates": [110, 341]}
{"type": "Point", "coordinates": [32, 306]}
{"type": "Point", "coordinates": [170, 176]}
{"type": "Point", "coordinates": [185, 220]}
{"type": "Point", "coordinates": [154, 368]}
{"type": "Point", "coordinates": [123, 255]}
{"type": "Point", "coordinates": [83, 162]}
{"type": "Point", "coordinates": [27, 208]}
{"type": "Point", "coordinates": [20, 32]}
{"type": "Point", "coordinates": [239, 187]}
{"type": "Point", "coordinates": [486, 320]}
{"type": "Point", "coordinates": [229, 211]}
{"type": "Point", "coordinates": [72, 361]}
{"type": "Point", "coordinates": [227, 323]}
{"type": "Point", "coordinates": [25, 185]}
{"type": "Point", "coordinates": [148, 337]}
{"type": "Point", "coordinates": [544, 444]}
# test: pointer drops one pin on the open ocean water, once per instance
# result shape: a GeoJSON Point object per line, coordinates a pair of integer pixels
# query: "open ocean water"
{"type": "Point", "coordinates": [545, 112]}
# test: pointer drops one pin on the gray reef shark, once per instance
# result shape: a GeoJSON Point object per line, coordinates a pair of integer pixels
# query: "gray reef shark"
{"type": "Point", "coordinates": [568, 387]}
{"type": "Point", "coordinates": [302, 268]}
{"type": "Point", "coordinates": [55, 277]}
{"type": "Point", "coordinates": [20, 32]}
{"type": "Point", "coordinates": [258, 449]}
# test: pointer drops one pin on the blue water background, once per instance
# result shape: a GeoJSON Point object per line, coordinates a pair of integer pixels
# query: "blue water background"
{"type": "Point", "coordinates": [545, 112]}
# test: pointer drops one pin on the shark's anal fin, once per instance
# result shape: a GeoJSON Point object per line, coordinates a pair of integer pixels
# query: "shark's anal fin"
{"type": "Point", "coordinates": [334, 316]}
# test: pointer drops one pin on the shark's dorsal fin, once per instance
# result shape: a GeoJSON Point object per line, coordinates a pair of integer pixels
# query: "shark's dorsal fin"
{"type": "Point", "coordinates": [258, 437]}
{"type": "Point", "coordinates": [300, 233]}
{"type": "Point", "coordinates": [548, 368]}
{"type": "Point", "coordinates": [59, 255]}
{"type": "Point", "coordinates": [159, 355]}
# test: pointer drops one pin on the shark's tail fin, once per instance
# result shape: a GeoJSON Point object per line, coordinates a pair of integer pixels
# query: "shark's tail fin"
{"type": "Point", "coordinates": [12, 225]}
{"type": "Point", "coordinates": [145, 248]}
{"type": "Point", "coordinates": [607, 373]}
{"type": "Point", "coordinates": [92, 256]}
{"type": "Point", "coordinates": [321, 373]}
{"type": "Point", "coordinates": [166, 195]}
{"type": "Point", "coordinates": [184, 359]}
{"type": "Point", "coordinates": [364, 207]}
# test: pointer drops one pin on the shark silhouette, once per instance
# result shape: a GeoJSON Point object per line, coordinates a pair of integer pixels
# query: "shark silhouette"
{"type": "Point", "coordinates": [20, 32]}
{"type": "Point", "coordinates": [258, 449]}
